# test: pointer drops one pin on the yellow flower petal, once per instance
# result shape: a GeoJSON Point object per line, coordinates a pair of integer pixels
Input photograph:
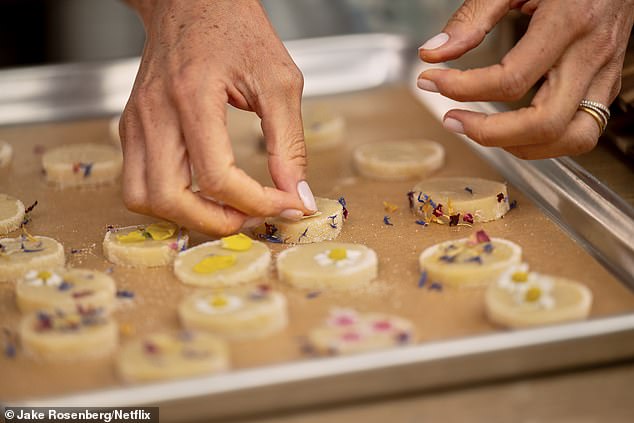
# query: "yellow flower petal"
{"type": "Point", "coordinates": [519, 277]}
{"type": "Point", "coordinates": [212, 264]}
{"type": "Point", "coordinates": [218, 301]}
{"type": "Point", "coordinates": [161, 231]}
{"type": "Point", "coordinates": [389, 207]}
{"type": "Point", "coordinates": [44, 275]}
{"type": "Point", "coordinates": [134, 236]}
{"type": "Point", "coordinates": [533, 294]}
{"type": "Point", "coordinates": [338, 254]}
{"type": "Point", "coordinates": [239, 242]}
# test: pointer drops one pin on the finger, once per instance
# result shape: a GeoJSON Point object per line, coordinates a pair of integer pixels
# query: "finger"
{"type": "Point", "coordinates": [546, 120]}
{"type": "Point", "coordinates": [133, 146]}
{"type": "Point", "coordinates": [203, 118]}
{"type": "Point", "coordinates": [465, 30]}
{"type": "Point", "coordinates": [537, 51]}
{"type": "Point", "coordinates": [169, 176]}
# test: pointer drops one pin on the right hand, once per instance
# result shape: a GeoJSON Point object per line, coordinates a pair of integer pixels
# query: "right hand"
{"type": "Point", "coordinates": [200, 55]}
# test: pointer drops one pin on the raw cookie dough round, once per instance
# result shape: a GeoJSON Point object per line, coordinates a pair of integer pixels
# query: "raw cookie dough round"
{"type": "Point", "coordinates": [349, 332]}
{"type": "Point", "coordinates": [68, 336]}
{"type": "Point", "coordinates": [398, 160]}
{"type": "Point", "coordinates": [322, 128]}
{"type": "Point", "coordinates": [6, 153]}
{"type": "Point", "coordinates": [246, 314]}
{"type": "Point", "coordinates": [24, 253]}
{"type": "Point", "coordinates": [66, 289]}
{"type": "Point", "coordinates": [172, 355]}
{"type": "Point", "coordinates": [82, 164]}
{"type": "Point", "coordinates": [523, 299]}
{"type": "Point", "coordinates": [469, 261]}
{"type": "Point", "coordinates": [326, 265]}
{"type": "Point", "coordinates": [152, 245]}
{"type": "Point", "coordinates": [459, 200]}
{"type": "Point", "coordinates": [324, 225]}
{"type": "Point", "coordinates": [229, 261]}
{"type": "Point", "coordinates": [11, 214]}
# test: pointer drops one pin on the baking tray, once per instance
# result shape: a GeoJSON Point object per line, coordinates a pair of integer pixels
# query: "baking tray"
{"type": "Point", "coordinates": [374, 66]}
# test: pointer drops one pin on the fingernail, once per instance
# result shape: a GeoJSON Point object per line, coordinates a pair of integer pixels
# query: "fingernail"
{"type": "Point", "coordinates": [453, 125]}
{"type": "Point", "coordinates": [435, 41]}
{"type": "Point", "coordinates": [307, 196]}
{"type": "Point", "coordinates": [292, 214]}
{"type": "Point", "coordinates": [427, 85]}
{"type": "Point", "coordinates": [252, 222]}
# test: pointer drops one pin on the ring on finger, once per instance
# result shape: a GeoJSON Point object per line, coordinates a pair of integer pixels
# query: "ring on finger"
{"type": "Point", "coordinates": [598, 117]}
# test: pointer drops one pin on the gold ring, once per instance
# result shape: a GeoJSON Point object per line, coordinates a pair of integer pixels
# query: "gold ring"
{"type": "Point", "coordinates": [598, 117]}
{"type": "Point", "coordinates": [596, 105]}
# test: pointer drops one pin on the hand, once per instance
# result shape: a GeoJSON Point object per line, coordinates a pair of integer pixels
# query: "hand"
{"type": "Point", "coordinates": [578, 46]}
{"type": "Point", "coordinates": [200, 55]}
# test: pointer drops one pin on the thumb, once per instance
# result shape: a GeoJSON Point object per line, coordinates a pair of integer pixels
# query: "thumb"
{"type": "Point", "coordinates": [465, 30]}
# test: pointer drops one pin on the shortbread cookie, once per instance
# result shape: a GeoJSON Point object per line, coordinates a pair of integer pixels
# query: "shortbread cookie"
{"type": "Point", "coordinates": [522, 299]}
{"type": "Point", "coordinates": [65, 289]}
{"type": "Point", "coordinates": [152, 245]}
{"type": "Point", "coordinates": [26, 252]}
{"type": "Point", "coordinates": [82, 164]}
{"type": "Point", "coordinates": [324, 225]}
{"type": "Point", "coordinates": [327, 265]}
{"type": "Point", "coordinates": [457, 201]}
{"type": "Point", "coordinates": [68, 336]}
{"type": "Point", "coordinates": [11, 214]}
{"type": "Point", "coordinates": [470, 261]}
{"type": "Point", "coordinates": [172, 355]}
{"type": "Point", "coordinates": [6, 154]}
{"type": "Point", "coordinates": [229, 261]}
{"type": "Point", "coordinates": [322, 128]}
{"type": "Point", "coordinates": [245, 314]}
{"type": "Point", "coordinates": [349, 332]}
{"type": "Point", "coordinates": [398, 160]}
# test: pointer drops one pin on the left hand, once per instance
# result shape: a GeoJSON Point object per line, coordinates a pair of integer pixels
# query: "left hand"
{"type": "Point", "coordinates": [578, 46]}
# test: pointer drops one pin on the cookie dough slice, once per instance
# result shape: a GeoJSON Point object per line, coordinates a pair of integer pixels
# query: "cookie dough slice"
{"type": "Point", "coordinates": [523, 299]}
{"type": "Point", "coordinates": [229, 261]}
{"type": "Point", "coordinates": [82, 165]}
{"type": "Point", "coordinates": [68, 336]}
{"type": "Point", "coordinates": [11, 214]}
{"type": "Point", "coordinates": [322, 128]}
{"type": "Point", "coordinates": [324, 225]}
{"type": "Point", "coordinates": [326, 265]}
{"type": "Point", "coordinates": [473, 261]}
{"type": "Point", "coordinates": [246, 314]}
{"type": "Point", "coordinates": [398, 160]}
{"type": "Point", "coordinates": [347, 332]}
{"type": "Point", "coordinates": [459, 200]}
{"type": "Point", "coordinates": [172, 355]}
{"type": "Point", "coordinates": [6, 154]}
{"type": "Point", "coordinates": [152, 245]}
{"type": "Point", "coordinates": [26, 252]}
{"type": "Point", "coordinates": [66, 290]}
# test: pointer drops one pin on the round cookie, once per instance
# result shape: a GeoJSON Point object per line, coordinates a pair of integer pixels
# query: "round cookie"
{"type": "Point", "coordinates": [152, 245]}
{"type": "Point", "coordinates": [524, 299]}
{"type": "Point", "coordinates": [398, 160]}
{"type": "Point", "coordinates": [456, 201]}
{"type": "Point", "coordinates": [327, 265]}
{"type": "Point", "coordinates": [246, 314]}
{"type": "Point", "coordinates": [66, 290]}
{"type": "Point", "coordinates": [324, 225]}
{"type": "Point", "coordinates": [349, 332]}
{"type": "Point", "coordinates": [470, 261]}
{"type": "Point", "coordinates": [11, 214]}
{"type": "Point", "coordinates": [172, 355]}
{"type": "Point", "coordinates": [68, 336]}
{"type": "Point", "coordinates": [322, 129]}
{"type": "Point", "coordinates": [82, 165]}
{"type": "Point", "coordinates": [24, 253]}
{"type": "Point", "coordinates": [6, 154]}
{"type": "Point", "coordinates": [229, 261]}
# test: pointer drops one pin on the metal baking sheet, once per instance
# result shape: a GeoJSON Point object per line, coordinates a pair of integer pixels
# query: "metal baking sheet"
{"type": "Point", "coordinates": [457, 344]}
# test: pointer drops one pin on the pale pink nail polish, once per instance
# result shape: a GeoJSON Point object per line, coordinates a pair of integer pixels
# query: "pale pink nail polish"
{"type": "Point", "coordinates": [303, 189]}
{"type": "Point", "coordinates": [454, 125]}
{"type": "Point", "coordinates": [292, 214]}
{"type": "Point", "coordinates": [427, 85]}
{"type": "Point", "coordinates": [435, 42]}
{"type": "Point", "coordinates": [252, 222]}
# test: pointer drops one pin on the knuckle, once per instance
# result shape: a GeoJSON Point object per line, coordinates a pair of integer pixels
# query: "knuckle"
{"type": "Point", "coordinates": [291, 79]}
{"type": "Point", "coordinates": [513, 86]}
{"type": "Point", "coordinates": [163, 203]}
{"type": "Point", "coordinates": [584, 143]}
{"type": "Point", "coordinates": [212, 182]}
{"type": "Point", "coordinates": [549, 129]}
{"type": "Point", "coordinates": [134, 201]}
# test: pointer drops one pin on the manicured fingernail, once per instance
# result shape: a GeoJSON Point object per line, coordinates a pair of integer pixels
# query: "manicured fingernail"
{"type": "Point", "coordinates": [292, 214]}
{"type": "Point", "coordinates": [435, 41]}
{"type": "Point", "coordinates": [427, 85]}
{"type": "Point", "coordinates": [252, 222]}
{"type": "Point", "coordinates": [453, 125]}
{"type": "Point", "coordinates": [307, 196]}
